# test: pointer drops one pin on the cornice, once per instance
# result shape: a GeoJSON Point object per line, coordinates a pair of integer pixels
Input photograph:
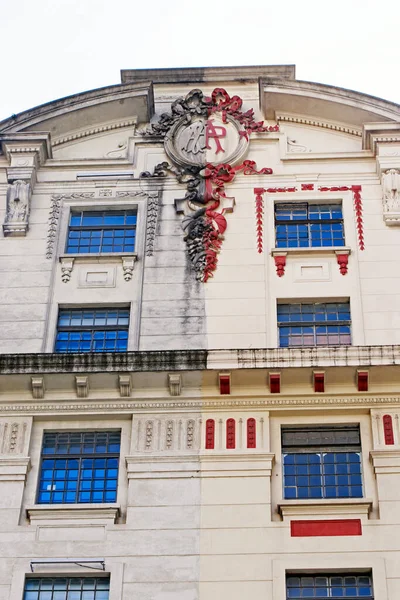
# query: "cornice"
{"type": "Point", "coordinates": [216, 405]}
{"type": "Point", "coordinates": [316, 123]}
{"type": "Point", "coordinates": [93, 131]}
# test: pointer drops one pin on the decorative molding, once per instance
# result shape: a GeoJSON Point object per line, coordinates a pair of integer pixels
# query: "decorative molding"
{"type": "Point", "coordinates": [67, 264]}
{"type": "Point", "coordinates": [259, 217]}
{"type": "Point", "coordinates": [357, 204]}
{"type": "Point", "coordinates": [151, 223]}
{"type": "Point", "coordinates": [149, 435]}
{"type": "Point", "coordinates": [56, 201]}
{"type": "Point", "coordinates": [169, 435]}
{"type": "Point", "coordinates": [385, 462]}
{"type": "Point", "coordinates": [38, 388]}
{"type": "Point", "coordinates": [82, 386]}
{"type": "Point", "coordinates": [94, 131]}
{"type": "Point", "coordinates": [175, 384]}
{"type": "Point", "coordinates": [125, 385]}
{"type": "Point", "coordinates": [14, 468]}
{"type": "Point", "coordinates": [314, 123]}
{"type": "Point", "coordinates": [251, 433]}
{"type": "Point", "coordinates": [293, 146]}
{"type": "Point", "coordinates": [13, 436]}
{"type": "Point", "coordinates": [230, 434]}
{"type": "Point", "coordinates": [210, 434]}
{"type": "Point", "coordinates": [190, 434]}
{"type": "Point", "coordinates": [217, 404]}
{"type": "Point", "coordinates": [388, 430]}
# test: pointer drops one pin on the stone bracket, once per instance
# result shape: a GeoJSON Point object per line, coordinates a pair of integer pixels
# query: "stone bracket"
{"type": "Point", "coordinates": [68, 262]}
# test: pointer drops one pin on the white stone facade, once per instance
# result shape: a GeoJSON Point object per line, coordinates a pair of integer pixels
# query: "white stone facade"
{"type": "Point", "coordinates": [203, 391]}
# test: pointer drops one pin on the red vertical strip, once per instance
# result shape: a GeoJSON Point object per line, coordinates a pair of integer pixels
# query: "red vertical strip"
{"type": "Point", "coordinates": [210, 434]}
{"type": "Point", "coordinates": [388, 430]}
{"type": "Point", "coordinates": [230, 434]}
{"type": "Point", "coordinates": [251, 433]}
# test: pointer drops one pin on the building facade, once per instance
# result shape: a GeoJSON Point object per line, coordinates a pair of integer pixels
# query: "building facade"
{"type": "Point", "coordinates": [200, 329]}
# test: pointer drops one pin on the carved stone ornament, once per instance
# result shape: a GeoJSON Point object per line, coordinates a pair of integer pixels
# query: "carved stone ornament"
{"type": "Point", "coordinates": [391, 196]}
{"type": "Point", "coordinates": [19, 195]}
{"type": "Point", "coordinates": [206, 139]}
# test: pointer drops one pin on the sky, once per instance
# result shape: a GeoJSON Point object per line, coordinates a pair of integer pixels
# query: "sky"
{"type": "Point", "coordinates": [54, 48]}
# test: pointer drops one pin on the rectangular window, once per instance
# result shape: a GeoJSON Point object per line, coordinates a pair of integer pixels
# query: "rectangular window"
{"type": "Point", "coordinates": [97, 232]}
{"type": "Point", "coordinates": [319, 324]}
{"type": "Point", "coordinates": [79, 467]}
{"type": "Point", "coordinates": [304, 225]}
{"type": "Point", "coordinates": [346, 585]}
{"type": "Point", "coordinates": [67, 588]}
{"type": "Point", "coordinates": [321, 462]}
{"type": "Point", "coordinates": [92, 330]}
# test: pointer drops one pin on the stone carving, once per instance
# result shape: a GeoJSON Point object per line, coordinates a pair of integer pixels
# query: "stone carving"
{"type": "Point", "coordinates": [120, 151]}
{"type": "Point", "coordinates": [12, 437]}
{"type": "Point", "coordinates": [175, 384]}
{"type": "Point", "coordinates": [128, 264]}
{"type": "Point", "coordinates": [149, 434]}
{"type": "Point", "coordinates": [391, 194]}
{"type": "Point", "coordinates": [82, 386]}
{"type": "Point", "coordinates": [151, 225]}
{"type": "Point", "coordinates": [38, 388]}
{"type": "Point", "coordinates": [125, 386]}
{"type": "Point", "coordinates": [169, 435]}
{"type": "Point", "coordinates": [190, 428]}
{"type": "Point", "coordinates": [54, 216]}
{"type": "Point", "coordinates": [294, 146]}
{"type": "Point", "coordinates": [206, 139]}
{"type": "Point", "coordinates": [19, 195]}
{"type": "Point", "coordinates": [67, 264]}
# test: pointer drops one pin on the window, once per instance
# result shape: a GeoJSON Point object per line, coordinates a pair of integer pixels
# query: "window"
{"type": "Point", "coordinates": [104, 231]}
{"type": "Point", "coordinates": [67, 588]}
{"type": "Point", "coordinates": [79, 467]}
{"type": "Point", "coordinates": [321, 462]}
{"type": "Point", "coordinates": [319, 324]}
{"type": "Point", "coordinates": [92, 330]}
{"type": "Point", "coordinates": [346, 585]}
{"type": "Point", "coordinates": [303, 225]}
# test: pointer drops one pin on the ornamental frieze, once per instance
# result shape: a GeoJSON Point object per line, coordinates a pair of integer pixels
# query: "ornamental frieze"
{"type": "Point", "coordinates": [206, 140]}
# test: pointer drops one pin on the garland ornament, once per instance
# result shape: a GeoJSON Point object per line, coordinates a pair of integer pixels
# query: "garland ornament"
{"type": "Point", "coordinates": [206, 139]}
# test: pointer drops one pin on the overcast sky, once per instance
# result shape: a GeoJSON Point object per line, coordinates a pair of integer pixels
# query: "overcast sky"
{"type": "Point", "coordinates": [54, 48]}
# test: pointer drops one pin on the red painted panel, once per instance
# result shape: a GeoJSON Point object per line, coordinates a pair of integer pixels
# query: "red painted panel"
{"type": "Point", "coordinates": [275, 383]}
{"type": "Point", "coordinates": [210, 434]}
{"type": "Point", "coordinates": [319, 382]}
{"type": "Point", "coordinates": [388, 430]}
{"type": "Point", "coordinates": [251, 433]}
{"type": "Point", "coordinates": [224, 384]}
{"type": "Point", "coordinates": [362, 381]}
{"type": "Point", "coordinates": [325, 528]}
{"type": "Point", "coordinates": [230, 434]}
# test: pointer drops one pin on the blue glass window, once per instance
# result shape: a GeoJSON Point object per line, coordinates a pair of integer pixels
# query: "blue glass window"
{"type": "Point", "coordinates": [79, 467]}
{"type": "Point", "coordinates": [92, 330]}
{"type": "Point", "coordinates": [346, 585]}
{"type": "Point", "coordinates": [322, 462]}
{"type": "Point", "coordinates": [303, 225]}
{"type": "Point", "coordinates": [318, 324]}
{"type": "Point", "coordinates": [67, 588]}
{"type": "Point", "coordinates": [104, 231]}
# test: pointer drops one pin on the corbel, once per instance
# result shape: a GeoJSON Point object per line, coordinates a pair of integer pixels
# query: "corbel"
{"type": "Point", "coordinates": [67, 264]}
{"type": "Point", "coordinates": [175, 384]}
{"type": "Point", "coordinates": [342, 257]}
{"type": "Point", "coordinates": [125, 386]}
{"type": "Point", "coordinates": [224, 383]}
{"type": "Point", "coordinates": [82, 386]}
{"type": "Point", "coordinates": [280, 262]}
{"type": "Point", "coordinates": [128, 264]}
{"type": "Point", "coordinates": [319, 381]}
{"type": "Point", "coordinates": [274, 383]}
{"type": "Point", "coordinates": [38, 388]}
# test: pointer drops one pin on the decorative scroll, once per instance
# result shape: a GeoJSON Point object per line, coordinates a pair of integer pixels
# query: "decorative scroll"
{"type": "Point", "coordinates": [251, 433]}
{"type": "Point", "coordinates": [206, 139]}
{"type": "Point", "coordinates": [210, 434]}
{"type": "Point", "coordinates": [388, 430]}
{"type": "Point", "coordinates": [357, 203]}
{"type": "Point", "coordinates": [230, 434]}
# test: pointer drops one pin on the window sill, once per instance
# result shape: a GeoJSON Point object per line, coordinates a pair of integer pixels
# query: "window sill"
{"type": "Point", "coordinates": [311, 250]}
{"type": "Point", "coordinates": [317, 508]}
{"type": "Point", "coordinates": [71, 513]}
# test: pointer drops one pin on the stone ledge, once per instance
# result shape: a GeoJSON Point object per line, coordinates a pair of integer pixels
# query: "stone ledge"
{"type": "Point", "coordinates": [101, 514]}
{"type": "Point", "coordinates": [167, 466]}
{"type": "Point", "coordinates": [14, 468]}
{"type": "Point", "coordinates": [385, 462]}
{"type": "Point", "coordinates": [233, 463]}
{"type": "Point", "coordinates": [318, 508]}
